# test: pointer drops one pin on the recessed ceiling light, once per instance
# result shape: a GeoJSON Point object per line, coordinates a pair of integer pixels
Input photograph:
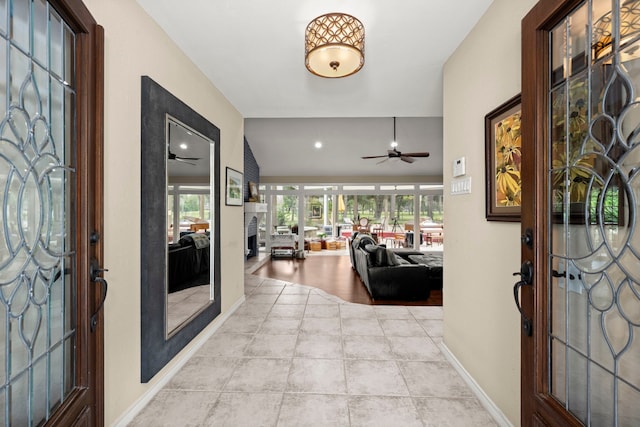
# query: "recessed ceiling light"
{"type": "Point", "coordinates": [318, 144]}
{"type": "Point", "coordinates": [183, 146]}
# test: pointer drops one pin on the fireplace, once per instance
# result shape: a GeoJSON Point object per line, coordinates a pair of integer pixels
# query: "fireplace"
{"type": "Point", "coordinates": [252, 210]}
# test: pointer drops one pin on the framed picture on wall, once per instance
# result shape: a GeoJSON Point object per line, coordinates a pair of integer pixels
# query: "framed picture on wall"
{"type": "Point", "coordinates": [233, 192]}
{"type": "Point", "coordinates": [254, 195]}
{"type": "Point", "coordinates": [503, 160]}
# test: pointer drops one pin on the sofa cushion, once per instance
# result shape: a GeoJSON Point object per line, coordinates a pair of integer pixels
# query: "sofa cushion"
{"type": "Point", "coordinates": [402, 261]}
{"type": "Point", "coordinates": [387, 258]}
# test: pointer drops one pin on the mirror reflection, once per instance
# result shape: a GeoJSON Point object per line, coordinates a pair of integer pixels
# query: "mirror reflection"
{"type": "Point", "coordinates": [189, 219]}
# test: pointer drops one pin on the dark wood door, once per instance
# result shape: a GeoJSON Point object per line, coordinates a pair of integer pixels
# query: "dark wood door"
{"type": "Point", "coordinates": [581, 158]}
{"type": "Point", "coordinates": [52, 205]}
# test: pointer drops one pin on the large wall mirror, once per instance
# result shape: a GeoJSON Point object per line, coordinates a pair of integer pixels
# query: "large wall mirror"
{"type": "Point", "coordinates": [180, 222]}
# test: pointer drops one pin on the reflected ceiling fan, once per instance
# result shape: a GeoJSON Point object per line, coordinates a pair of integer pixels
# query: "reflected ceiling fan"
{"type": "Point", "coordinates": [392, 154]}
{"type": "Point", "coordinates": [173, 156]}
{"type": "Point", "coordinates": [189, 160]}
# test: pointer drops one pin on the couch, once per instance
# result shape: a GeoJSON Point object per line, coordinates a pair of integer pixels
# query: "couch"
{"type": "Point", "coordinates": [387, 273]}
{"type": "Point", "coordinates": [188, 262]}
{"type": "Point", "coordinates": [434, 262]}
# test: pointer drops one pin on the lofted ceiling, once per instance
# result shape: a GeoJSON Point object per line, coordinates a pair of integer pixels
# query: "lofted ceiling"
{"type": "Point", "coordinates": [253, 52]}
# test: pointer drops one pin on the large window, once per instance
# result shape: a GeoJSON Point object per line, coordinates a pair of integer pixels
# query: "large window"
{"type": "Point", "coordinates": [193, 207]}
{"type": "Point", "coordinates": [332, 209]}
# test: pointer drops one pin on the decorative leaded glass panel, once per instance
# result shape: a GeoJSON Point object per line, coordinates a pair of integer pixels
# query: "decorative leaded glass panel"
{"type": "Point", "coordinates": [37, 233]}
{"type": "Point", "coordinates": [594, 191]}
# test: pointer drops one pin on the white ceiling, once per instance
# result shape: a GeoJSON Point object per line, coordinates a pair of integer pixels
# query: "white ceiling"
{"type": "Point", "coordinates": [253, 52]}
{"type": "Point", "coordinates": [285, 141]}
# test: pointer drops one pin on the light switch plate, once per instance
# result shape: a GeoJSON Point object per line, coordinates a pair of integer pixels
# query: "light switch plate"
{"type": "Point", "coordinates": [461, 186]}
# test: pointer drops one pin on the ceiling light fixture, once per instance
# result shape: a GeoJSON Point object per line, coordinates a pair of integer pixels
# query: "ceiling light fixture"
{"type": "Point", "coordinates": [318, 144]}
{"type": "Point", "coordinates": [334, 45]}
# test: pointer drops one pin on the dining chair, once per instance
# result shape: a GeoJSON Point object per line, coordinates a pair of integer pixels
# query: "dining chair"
{"type": "Point", "coordinates": [363, 225]}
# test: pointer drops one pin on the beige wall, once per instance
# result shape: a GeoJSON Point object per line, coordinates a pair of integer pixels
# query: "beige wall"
{"type": "Point", "coordinates": [136, 46]}
{"type": "Point", "coordinates": [481, 323]}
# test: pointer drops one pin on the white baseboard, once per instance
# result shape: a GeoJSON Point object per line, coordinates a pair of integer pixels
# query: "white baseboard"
{"type": "Point", "coordinates": [198, 342]}
{"type": "Point", "coordinates": [485, 400]}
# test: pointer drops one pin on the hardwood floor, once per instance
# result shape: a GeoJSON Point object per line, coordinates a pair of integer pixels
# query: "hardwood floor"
{"type": "Point", "coordinates": [332, 274]}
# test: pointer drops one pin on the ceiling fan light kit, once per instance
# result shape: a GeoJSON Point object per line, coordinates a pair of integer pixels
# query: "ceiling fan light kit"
{"type": "Point", "coordinates": [395, 154]}
{"type": "Point", "coordinates": [334, 45]}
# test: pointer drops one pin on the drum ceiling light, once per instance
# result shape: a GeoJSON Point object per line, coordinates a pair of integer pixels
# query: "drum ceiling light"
{"type": "Point", "coordinates": [334, 45]}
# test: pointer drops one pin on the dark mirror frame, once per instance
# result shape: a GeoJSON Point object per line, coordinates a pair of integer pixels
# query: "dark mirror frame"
{"type": "Point", "coordinates": [156, 349]}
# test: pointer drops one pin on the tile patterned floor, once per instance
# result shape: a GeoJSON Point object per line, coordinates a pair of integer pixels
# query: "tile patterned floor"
{"type": "Point", "coordinates": [295, 356]}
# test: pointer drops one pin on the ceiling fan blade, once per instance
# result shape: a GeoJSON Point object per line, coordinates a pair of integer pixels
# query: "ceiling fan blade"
{"type": "Point", "coordinates": [383, 160]}
{"type": "Point", "coordinates": [407, 159]}
{"type": "Point", "coordinates": [172, 156]}
{"type": "Point", "coordinates": [423, 154]}
{"type": "Point", "coordinates": [180, 159]}
{"type": "Point", "coordinates": [373, 157]}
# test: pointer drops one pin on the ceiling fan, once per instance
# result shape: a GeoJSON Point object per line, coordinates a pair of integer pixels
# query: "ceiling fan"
{"type": "Point", "coordinates": [173, 156]}
{"type": "Point", "coordinates": [392, 154]}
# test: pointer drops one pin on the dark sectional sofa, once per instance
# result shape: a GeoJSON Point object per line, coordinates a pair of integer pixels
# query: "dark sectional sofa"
{"type": "Point", "coordinates": [390, 274]}
{"type": "Point", "coordinates": [188, 262]}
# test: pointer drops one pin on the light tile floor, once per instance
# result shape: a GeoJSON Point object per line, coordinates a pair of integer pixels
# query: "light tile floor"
{"type": "Point", "coordinates": [292, 355]}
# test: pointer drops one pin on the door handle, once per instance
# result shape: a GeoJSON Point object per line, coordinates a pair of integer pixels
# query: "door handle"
{"type": "Point", "coordinates": [556, 273]}
{"type": "Point", "coordinates": [94, 276]}
{"type": "Point", "coordinates": [526, 278]}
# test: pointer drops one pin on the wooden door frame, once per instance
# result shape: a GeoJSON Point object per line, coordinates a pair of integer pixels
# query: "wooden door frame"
{"type": "Point", "coordinates": [537, 407]}
{"type": "Point", "coordinates": [86, 404]}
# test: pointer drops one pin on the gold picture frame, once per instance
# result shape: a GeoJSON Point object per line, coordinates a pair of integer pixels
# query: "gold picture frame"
{"type": "Point", "coordinates": [254, 194]}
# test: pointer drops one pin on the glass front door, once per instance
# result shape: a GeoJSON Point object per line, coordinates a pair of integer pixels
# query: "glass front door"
{"type": "Point", "coordinates": [588, 281]}
{"type": "Point", "coordinates": [41, 344]}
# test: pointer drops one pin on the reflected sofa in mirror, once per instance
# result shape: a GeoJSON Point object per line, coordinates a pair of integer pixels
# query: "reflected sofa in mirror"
{"type": "Point", "coordinates": [159, 343]}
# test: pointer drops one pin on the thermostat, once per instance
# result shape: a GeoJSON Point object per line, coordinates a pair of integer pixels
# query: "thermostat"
{"type": "Point", "coordinates": [458, 167]}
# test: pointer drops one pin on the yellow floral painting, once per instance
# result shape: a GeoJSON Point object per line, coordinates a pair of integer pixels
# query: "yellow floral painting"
{"type": "Point", "coordinates": [503, 144]}
{"type": "Point", "coordinates": [508, 159]}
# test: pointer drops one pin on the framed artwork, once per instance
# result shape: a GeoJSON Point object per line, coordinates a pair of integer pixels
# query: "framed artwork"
{"type": "Point", "coordinates": [503, 161]}
{"type": "Point", "coordinates": [233, 192]}
{"type": "Point", "coordinates": [316, 211]}
{"type": "Point", "coordinates": [254, 195]}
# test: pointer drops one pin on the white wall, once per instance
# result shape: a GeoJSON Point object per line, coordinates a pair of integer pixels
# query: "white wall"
{"type": "Point", "coordinates": [136, 46]}
{"type": "Point", "coordinates": [481, 323]}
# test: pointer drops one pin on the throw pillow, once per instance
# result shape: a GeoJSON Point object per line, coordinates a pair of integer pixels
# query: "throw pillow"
{"type": "Point", "coordinates": [372, 249]}
{"type": "Point", "coordinates": [371, 259]}
{"type": "Point", "coordinates": [365, 240]}
{"type": "Point", "coordinates": [381, 257]}
{"type": "Point", "coordinates": [392, 259]}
